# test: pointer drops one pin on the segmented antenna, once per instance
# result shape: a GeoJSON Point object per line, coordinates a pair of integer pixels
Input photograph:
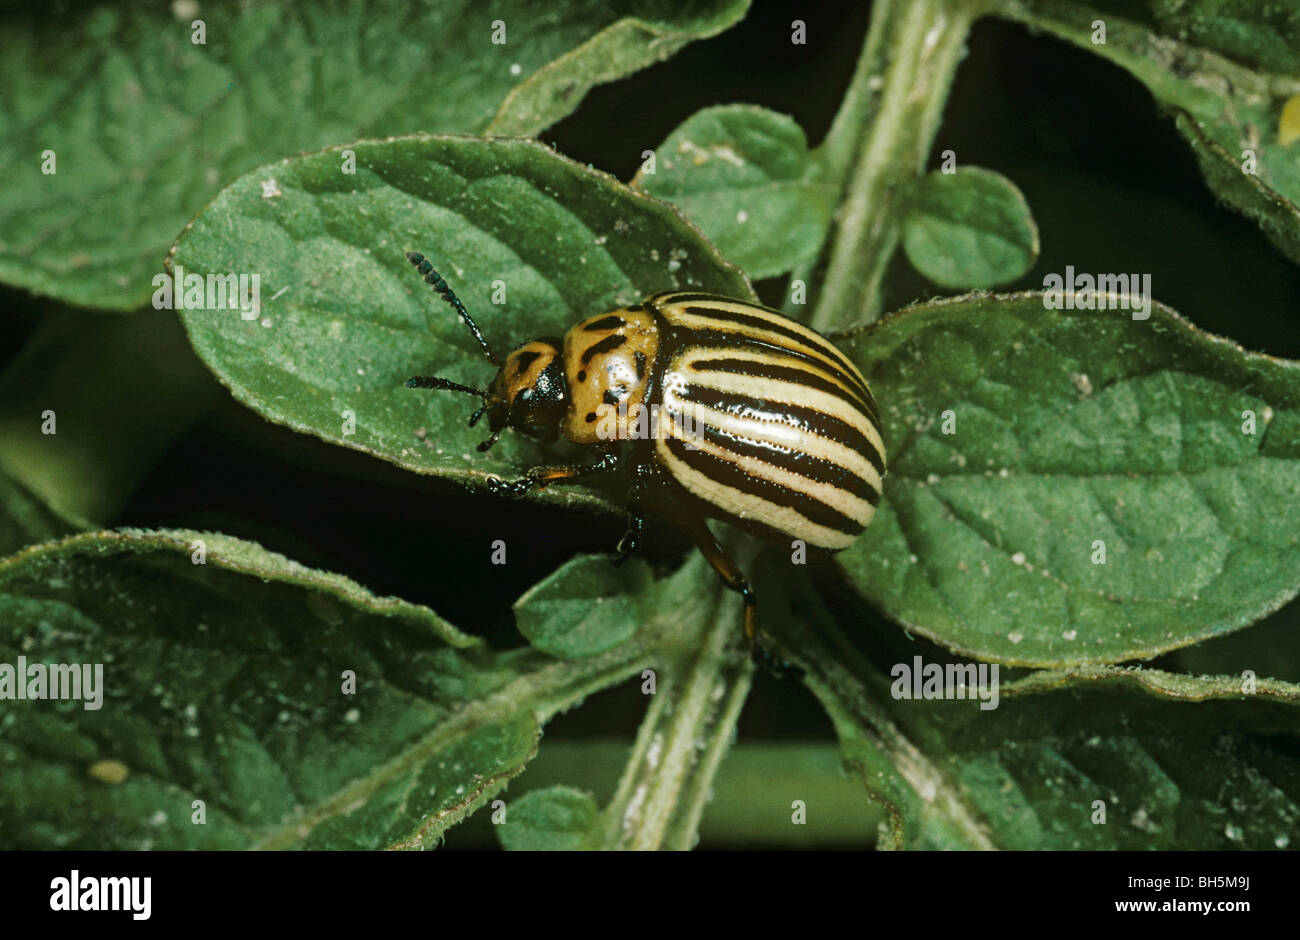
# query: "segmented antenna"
{"type": "Point", "coordinates": [433, 381]}
{"type": "Point", "coordinates": [444, 290]}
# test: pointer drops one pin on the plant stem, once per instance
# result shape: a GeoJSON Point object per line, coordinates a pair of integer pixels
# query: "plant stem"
{"type": "Point", "coordinates": [925, 41]}
{"type": "Point", "coordinates": [686, 731]}
{"type": "Point", "coordinates": [862, 99]}
{"type": "Point", "coordinates": [714, 743]}
{"type": "Point", "coordinates": [835, 153]}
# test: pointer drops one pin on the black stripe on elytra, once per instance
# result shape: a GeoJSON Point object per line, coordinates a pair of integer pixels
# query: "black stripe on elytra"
{"type": "Point", "coordinates": [604, 346]}
{"type": "Point", "coordinates": [611, 322]}
{"type": "Point", "coordinates": [669, 343]}
{"type": "Point", "coordinates": [768, 533]}
{"type": "Point", "coordinates": [692, 297]}
{"type": "Point", "coordinates": [525, 359]}
{"type": "Point", "coordinates": [785, 373]}
{"type": "Point", "coordinates": [819, 343]}
{"type": "Point", "coordinates": [724, 471]}
{"type": "Point", "coordinates": [722, 341]}
{"type": "Point", "coordinates": [800, 416]}
{"type": "Point", "coordinates": [640, 360]}
{"type": "Point", "coordinates": [814, 469]}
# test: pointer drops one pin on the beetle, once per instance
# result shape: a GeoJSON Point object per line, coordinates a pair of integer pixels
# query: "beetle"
{"type": "Point", "coordinates": [754, 419]}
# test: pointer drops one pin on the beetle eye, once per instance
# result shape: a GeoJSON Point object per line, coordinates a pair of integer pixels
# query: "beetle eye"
{"type": "Point", "coordinates": [525, 395]}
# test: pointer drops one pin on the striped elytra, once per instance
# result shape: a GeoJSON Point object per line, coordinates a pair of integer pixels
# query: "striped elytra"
{"type": "Point", "coordinates": [783, 437]}
{"type": "Point", "coordinates": [714, 407]}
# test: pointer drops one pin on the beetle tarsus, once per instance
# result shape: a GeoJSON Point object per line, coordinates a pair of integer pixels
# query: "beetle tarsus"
{"type": "Point", "coordinates": [630, 543]}
{"type": "Point", "coordinates": [500, 487]}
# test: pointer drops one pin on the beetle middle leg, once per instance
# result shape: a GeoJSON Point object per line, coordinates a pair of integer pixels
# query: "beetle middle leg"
{"type": "Point", "coordinates": [643, 477]}
{"type": "Point", "coordinates": [542, 476]}
{"type": "Point", "coordinates": [730, 573]}
{"type": "Point", "coordinates": [630, 543]}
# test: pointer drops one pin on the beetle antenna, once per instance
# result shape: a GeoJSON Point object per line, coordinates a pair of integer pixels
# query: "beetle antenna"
{"type": "Point", "coordinates": [432, 381]}
{"type": "Point", "coordinates": [473, 419]}
{"type": "Point", "coordinates": [435, 279]}
{"type": "Point", "coordinates": [483, 448]}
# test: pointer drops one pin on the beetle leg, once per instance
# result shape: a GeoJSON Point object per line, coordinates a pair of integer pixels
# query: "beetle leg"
{"type": "Point", "coordinates": [542, 476]}
{"type": "Point", "coordinates": [730, 573]}
{"type": "Point", "coordinates": [630, 543]}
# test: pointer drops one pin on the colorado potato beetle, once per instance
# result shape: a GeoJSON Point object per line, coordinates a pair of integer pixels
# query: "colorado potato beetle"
{"type": "Point", "coordinates": [717, 408]}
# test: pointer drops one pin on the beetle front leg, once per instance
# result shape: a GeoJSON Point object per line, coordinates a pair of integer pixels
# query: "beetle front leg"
{"type": "Point", "coordinates": [542, 476]}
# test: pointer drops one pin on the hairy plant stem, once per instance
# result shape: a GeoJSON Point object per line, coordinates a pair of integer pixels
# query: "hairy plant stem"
{"type": "Point", "coordinates": [686, 731]}
{"type": "Point", "coordinates": [924, 40]}
{"type": "Point", "coordinates": [835, 153]}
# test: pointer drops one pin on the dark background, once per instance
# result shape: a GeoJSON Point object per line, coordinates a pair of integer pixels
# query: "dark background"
{"type": "Point", "coordinates": [1111, 184]}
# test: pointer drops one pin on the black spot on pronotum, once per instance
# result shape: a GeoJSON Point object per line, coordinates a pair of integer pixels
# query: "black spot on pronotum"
{"type": "Point", "coordinates": [582, 375]}
{"type": "Point", "coordinates": [611, 322]}
{"type": "Point", "coordinates": [591, 417]}
{"type": "Point", "coordinates": [608, 344]}
{"type": "Point", "coordinates": [524, 360]}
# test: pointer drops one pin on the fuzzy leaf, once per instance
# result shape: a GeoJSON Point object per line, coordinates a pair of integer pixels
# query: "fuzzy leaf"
{"type": "Point", "coordinates": [558, 818]}
{"type": "Point", "coordinates": [145, 125]}
{"type": "Point", "coordinates": [224, 682]}
{"type": "Point", "coordinates": [25, 519]}
{"type": "Point", "coordinates": [1070, 429]}
{"type": "Point", "coordinates": [586, 607]}
{"type": "Point", "coordinates": [1060, 746]}
{"type": "Point", "coordinates": [1227, 72]}
{"type": "Point", "coordinates": [969, 229]}
{"type": "Point", "coordinates": [345, 319]}
{"type": "Point", "coordinates": [746, 177]}
{"type": "Point", "coordinates": [1173, 761]}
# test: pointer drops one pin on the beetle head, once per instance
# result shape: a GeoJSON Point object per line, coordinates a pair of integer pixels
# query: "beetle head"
{"type": "Point", "coordinates": [529, 392]}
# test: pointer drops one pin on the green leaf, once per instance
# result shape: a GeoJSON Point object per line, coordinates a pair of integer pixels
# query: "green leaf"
{"type": "Point", "coordinates": [1071, 428]}
{"type": "Point", "coordinates": [1033, 773]}
{"type": "Point", "coordinates": [145, 125]}
{"type": "Point", "coordinates": [1230, 113]}
{"type": "Point", "coordinates": [745, 176]}
{"type": "Point", "coordinates": [655, 33]}
{"type": "Point", "coordinates": [1028, 772]}
{"type": "Point", "coordinates": [557, 819]}
{"type": "Point", "coordinates": [346, 320]}
{"type": "Point", "coordinates": [969, 229]}
{"type": "Point", "coordinates": [224, 682]}
{"type": "Point", "coordinates": [71, 401]}
{"type": "Point", "coordinates": [1264, 35]}
{"type": "Point", "coordinates": [25, 519]}
{"type": "Point", "coordinates": [585, 607]}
